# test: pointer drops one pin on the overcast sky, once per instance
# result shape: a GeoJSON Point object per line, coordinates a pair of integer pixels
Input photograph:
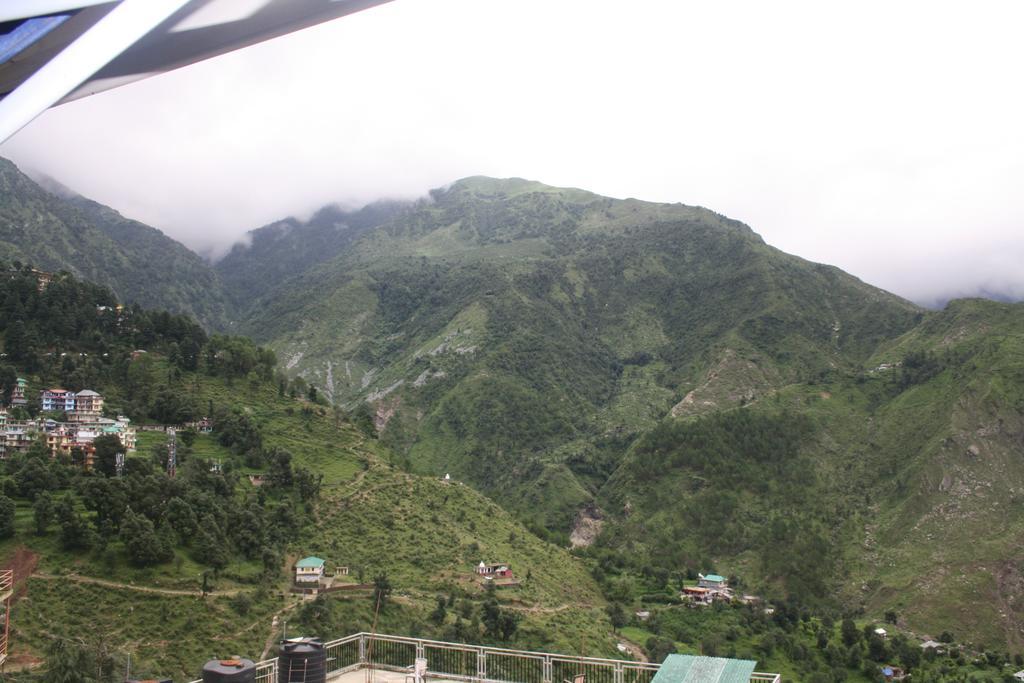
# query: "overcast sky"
{"type": "Point", "coordinates": [883, 137]}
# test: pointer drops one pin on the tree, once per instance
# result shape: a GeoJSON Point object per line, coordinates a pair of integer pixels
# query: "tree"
{"type": "Point", "coordinates": [67, 662]}
{"type": "Point", "coordinates": [144, 546]}
{"type": "Point", "coordinates": [508, 623]}
{"type": "Point", "coordinates": [35, 476]}
{"type": "Point", "coordinates": [8, 381]}
{"type": "Point", "coordinates": [7, 509]}
{"type": "Point", "coordinates": [188, 437]}
{"type": "Point", "coordinates": [307, 484]}
{"type": "Point", "coordinates": [182, 518]}
{"type": "Point", "coordinates": [439, 614]}
{"type": "Point", "coordinates": [381, 590]}
{"type": "Point", "coordinates": [209, 545]}
{"type": "Point", "coordinates": [75, 533]}
{"type": "Point", "coordinates": [43, 511]}
{"type": "Point", "coordinates": [109, 451]}
{"type": "Point", "coordinates": [659, 648]}
{"type": "Point", "coordinates": [849, 632]}
{"type": "Point", "coordinates": [280, 470]}
{"type": "Point", "coordinates": [318, 615]}
{"type": "Point", "coordinates": [617, 615]}
{"type": "Point", "coordinates": [877, 649]}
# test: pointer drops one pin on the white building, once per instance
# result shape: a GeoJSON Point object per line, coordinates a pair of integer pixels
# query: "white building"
{"type": "Point", "coordinates": [309, 570]}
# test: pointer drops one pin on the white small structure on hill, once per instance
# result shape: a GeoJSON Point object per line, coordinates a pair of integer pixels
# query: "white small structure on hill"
{"type": "Point", "coordinates": [1019, 675]}
{"type": "Point", "coordinates": [881, 632]}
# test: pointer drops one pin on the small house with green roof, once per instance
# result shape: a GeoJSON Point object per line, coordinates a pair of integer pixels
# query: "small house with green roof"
{"type": "Point", "coordinates": [309, 571]}
{"type": "Point", "coordinates": [712, 581]}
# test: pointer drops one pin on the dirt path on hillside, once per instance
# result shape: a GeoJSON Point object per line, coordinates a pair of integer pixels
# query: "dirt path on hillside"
{"type": "Point", "coordinates": [534, 609]}
{"type": "Point", "coordinates": [633, 649]}
{"type": "Point", "coordinates": [272, 638]}
{"type": "Point", "coordinates": [127, 586]}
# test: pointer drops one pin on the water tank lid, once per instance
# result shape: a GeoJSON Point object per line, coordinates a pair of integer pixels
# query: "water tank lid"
{"type": "Point", "coordinates": [228, 666]}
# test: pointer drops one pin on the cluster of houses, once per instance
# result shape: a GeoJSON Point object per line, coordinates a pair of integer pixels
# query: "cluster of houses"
{"type": "Point", "coordinates": [709, 588]}
{"type": "Point", "coordinates": [82, 424]}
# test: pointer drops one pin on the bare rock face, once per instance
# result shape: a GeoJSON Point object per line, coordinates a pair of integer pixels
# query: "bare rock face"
{"type": "Point", "coordinates": [586, 526]}
{"type": "Point", "coordinates": [384, 411]}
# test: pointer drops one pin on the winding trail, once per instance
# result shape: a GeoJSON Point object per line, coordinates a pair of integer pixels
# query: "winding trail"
{"type": "Point", "coordinates": [127, 586]}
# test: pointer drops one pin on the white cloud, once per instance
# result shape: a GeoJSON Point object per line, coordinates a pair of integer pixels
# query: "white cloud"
{"type": "Point", "coordinates": [882, 137]}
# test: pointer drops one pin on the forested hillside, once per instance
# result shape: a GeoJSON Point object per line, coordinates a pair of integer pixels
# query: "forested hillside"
{"type": "Point", "coordinates": [522, 335]}
{"type": "Point", "coordinates": [114, 561]}
{"type": "Point", "coordinates": [890, 488]}
{"type": "Point", "coordinates": [139, 263]}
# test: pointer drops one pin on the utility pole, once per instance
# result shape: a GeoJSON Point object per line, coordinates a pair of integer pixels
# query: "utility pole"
{"type": "Point", "coordinates": [172, 452]}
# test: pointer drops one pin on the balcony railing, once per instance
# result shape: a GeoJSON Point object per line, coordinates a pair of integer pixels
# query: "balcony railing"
{"type": "Point", "coordinates": [475, 663]}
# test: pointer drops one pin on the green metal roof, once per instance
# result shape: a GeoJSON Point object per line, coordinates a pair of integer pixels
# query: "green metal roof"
{"type": "Point", "coordinates": [691, 669]}
{"type": "Point", "coordinates": [714, 577]}
{"type": "Point", "coordinates": [310, 562]}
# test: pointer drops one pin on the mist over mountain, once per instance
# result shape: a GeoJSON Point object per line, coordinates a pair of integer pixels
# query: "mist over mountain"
{"type": "Point", "coordinates": [273, 253]}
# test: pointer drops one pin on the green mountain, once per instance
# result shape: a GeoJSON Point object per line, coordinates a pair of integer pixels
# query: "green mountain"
{"type": "Point", "coordinates": [652, 382]}
{"type": "Point", "coordinates": [278, 251]}
{"type": "Point", "coordinates": [61, 231]}
{"type": "Point", "coordinates": [658, 378]}
{"type": "Point", "coordinates": [520, 336]}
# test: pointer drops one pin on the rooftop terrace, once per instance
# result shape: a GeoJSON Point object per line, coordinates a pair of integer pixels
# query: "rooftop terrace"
{"type": "Point", "coordinates": [366, 658]}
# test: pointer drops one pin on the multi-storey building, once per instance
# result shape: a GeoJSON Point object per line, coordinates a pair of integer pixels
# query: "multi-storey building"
{"type": "Point", "coordinates": [59, 400]}
{"type": "Point", "coordinates": [18, 393]}
{"type": "Point", "coordinates": [88, 406]}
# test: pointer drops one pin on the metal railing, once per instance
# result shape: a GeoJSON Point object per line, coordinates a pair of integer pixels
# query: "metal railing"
{"type": "Point", "coordinates": [476, 663]}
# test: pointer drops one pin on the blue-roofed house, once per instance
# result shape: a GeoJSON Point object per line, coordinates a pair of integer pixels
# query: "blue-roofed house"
{"type": "Point", "coordinates": [893, 673]}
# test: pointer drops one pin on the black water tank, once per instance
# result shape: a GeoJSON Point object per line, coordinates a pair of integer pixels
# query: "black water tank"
{"type": "Point", "coordinates": [302, 660]}
{"type": "Point", "coordinates": [229, 671]}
